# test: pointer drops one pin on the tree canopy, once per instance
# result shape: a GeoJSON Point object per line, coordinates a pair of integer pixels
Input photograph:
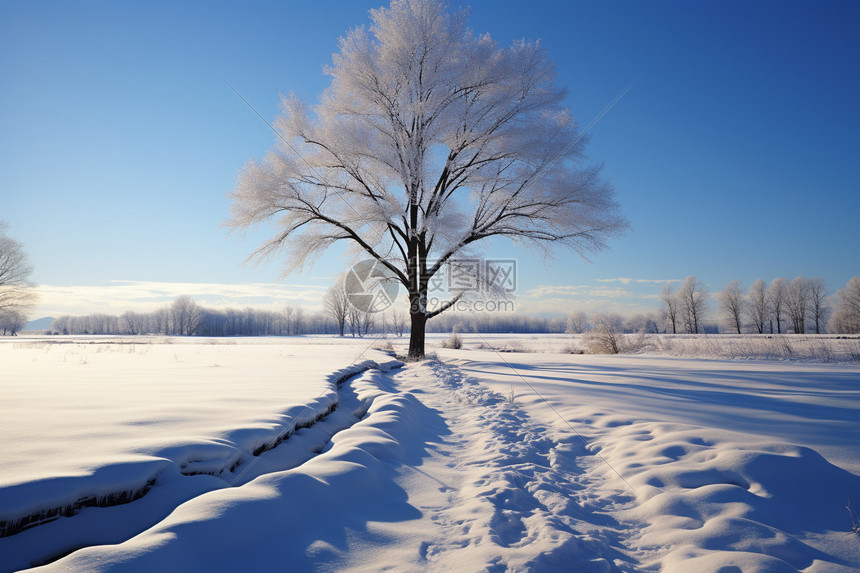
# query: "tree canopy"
{"type": "Point", "coordinates": [429, 140]}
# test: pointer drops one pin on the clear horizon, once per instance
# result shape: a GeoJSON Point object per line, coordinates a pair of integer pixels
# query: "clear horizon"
{"type": "Point", "coordinates": [732, 154]}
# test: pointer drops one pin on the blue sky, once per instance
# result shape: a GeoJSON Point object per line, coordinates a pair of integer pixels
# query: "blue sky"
{"type": "Point", "coordinates": [734, 154]}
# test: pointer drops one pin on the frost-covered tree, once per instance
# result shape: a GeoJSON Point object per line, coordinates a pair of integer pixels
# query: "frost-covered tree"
{"type": "Point", "coordinates": [16, 292]}
{"type": "Point", "coordinates": [133, 322]}
{"type": "Point", "coordinates": [777, 293]}
{"type": "Point", "coordinates": [11, 321]}
{"type": "Point", "coordinates": [577, 322]}
{"type": "Point", "coordinates": [671, 311]}
{"type": "Point", "coordinates": [641, 323]}
{"type": "Point", "coordinates": [398, 322]}
{"type": "Point", "coordinates": [367, 323]}
{"type": "Point", "coordinates": [185, 316]}
{"type": "Point", "coordinates": [354, 318]}
{"type": "Point", "coordinates": [292, 320]}
{"type": "Point", "coordinates": [161, 321]}
{"type": "Point", "coordinates": [428, 141]}
{"type": "Point", "coordinates": [846, 317]}
{"type": "Point", "coordinates": [731, 301]}
{"type": "Point", "coordinates": [818, 303]}
{"type": "Point", "coordinates": [605, 337]}
{"type": "Point", "coordinates": [797, 302]}
{"type": "Point", "coordinates": [758, 306]}
{"type": "Point", "coordinates": [336, 303]}
{"type": "Point", "coordinates": [694, 298]}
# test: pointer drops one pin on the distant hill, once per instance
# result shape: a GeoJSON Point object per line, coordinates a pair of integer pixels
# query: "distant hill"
{"type": "Point", "coordinates": [40, 324]}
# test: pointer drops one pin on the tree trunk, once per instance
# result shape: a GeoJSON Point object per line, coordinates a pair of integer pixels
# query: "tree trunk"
{"type": "Point", "coordinates": [416, 335]}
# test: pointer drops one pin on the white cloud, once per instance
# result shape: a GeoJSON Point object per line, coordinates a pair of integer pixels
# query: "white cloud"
{"type": "Point", "coordinates": [627, 281]}
{"type": "Point", "coordinates": [576, 291]}
{"type": "Point", "coordinates": [561, 299]}
{"type": "Point", "coordinates": [548, 290]}
{"type": "Point", "coordinates": [118, 296]}
{"type": "Point", "coordinates": [623, 307]}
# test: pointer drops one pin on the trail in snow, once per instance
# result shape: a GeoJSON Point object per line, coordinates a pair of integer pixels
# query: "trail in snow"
{"type": "Point", "coordinates": [524, 499]}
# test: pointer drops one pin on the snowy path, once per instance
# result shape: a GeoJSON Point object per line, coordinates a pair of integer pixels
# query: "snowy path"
{"type": "Point", "coordinates": [511, 496]}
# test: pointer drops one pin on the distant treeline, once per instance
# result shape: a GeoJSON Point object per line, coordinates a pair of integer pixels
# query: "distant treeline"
{"type": "Point", "coordinates": [187, 318]}
{"type": "Point", "coordinates": [496, 322]}
{"type": "Point", "coordinates": [184, 317]}
{"type": "Point", "coordinates": [800, 306]}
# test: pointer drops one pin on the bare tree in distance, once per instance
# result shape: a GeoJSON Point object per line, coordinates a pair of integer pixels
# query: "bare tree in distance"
{"type": "Point", "coordinates": [11, 321]}
{"type": "Point", "coordinates": [818, 302]}
{"type": "Point", "coordinates": [605, 337]}
{"type": "Point", "coordinates": [777, 293]}
{"type": "Point", "coordinates": [642, 323]}
{"type": "Point", "coordinates": [846, 317]}
{"type": "Point", "coordinates": [134, 322]}
{"type": "Point", "coordinates": [294, 320]}
{"type": "Point", "coordinates": [577, 322]}
{"type": "Point", "coordinates": [797, 302]}
{"type": "Point", "coordinates": [693, 296]}
{"type": "Point", "coordinates": [758, 306]}
{"type": "Point", "coordinates": [367, 322]}
{"type": "Point", "coordinates": [731, 301]}
{"type": "Point", "coordinates": [398, 322]}
{"type": "Point", "coordinates": [17, 293]}
{"type": "Point", "coordinates": [671, 311]}
{"type": "Point", "coordinates": [336, 303]}
{"type": "Point", "coordinates": [184, 316]}
{"type": "Point", "coordinates": [428, 141]}
{"type": "Point", "coordinates": [353, 320]}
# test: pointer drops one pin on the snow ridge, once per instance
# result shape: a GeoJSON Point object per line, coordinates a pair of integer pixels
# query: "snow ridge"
{"type": "Point", "coordinates": [302, 422]}
{"type": "Point", "coordinates": [133, 481]}
{"type": "Point", "coordinates": [283, 517]}
{"type": "Point", "coordinates": [10, 527]}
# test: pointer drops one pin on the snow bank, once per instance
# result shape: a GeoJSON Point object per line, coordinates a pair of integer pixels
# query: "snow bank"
{"type": "Point", "coordinates": [292, 518]}
{"type": "Point", "coordinates": [710, 498]}
{"type": "Point", "coordinates": [90, 427]}
{"type": "Point", "coordinates": [720, 460]}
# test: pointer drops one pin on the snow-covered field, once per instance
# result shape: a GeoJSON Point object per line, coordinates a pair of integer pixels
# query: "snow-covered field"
{"type": "Point", "coordinates": [90, 422]}
{"type": "Point", "coordinates": [476, 461]}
